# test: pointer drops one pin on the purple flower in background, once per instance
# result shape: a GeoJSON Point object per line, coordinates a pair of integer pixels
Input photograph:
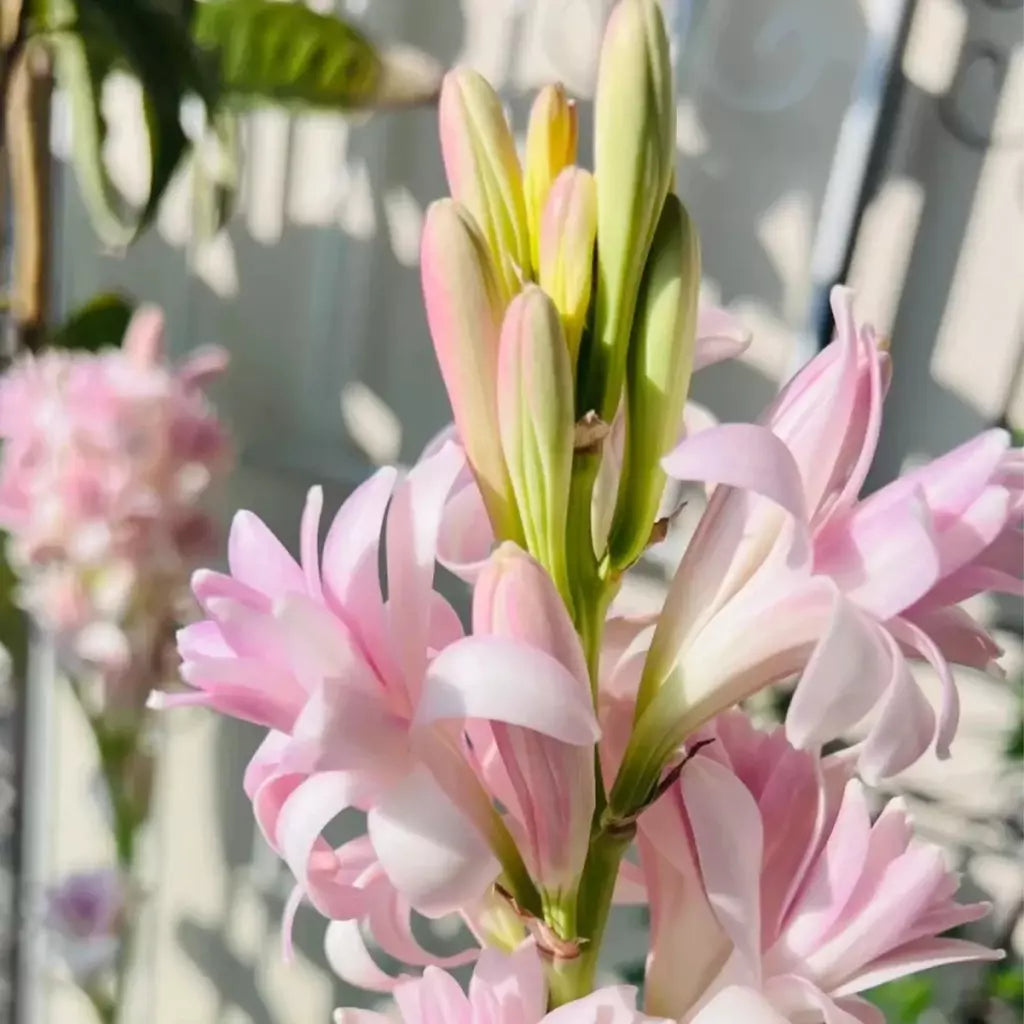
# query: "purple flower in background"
{"type": "Point", "coordinates": [84, 912]}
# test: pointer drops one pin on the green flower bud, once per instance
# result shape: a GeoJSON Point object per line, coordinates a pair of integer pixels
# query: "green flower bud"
{"type": "Point", "coordinates": [567, 251]}
{"type": "Point", "coordinates": [536, 419]}
{"type": "Point", "coordinates": [634, 159]}
{"type": "Point", "coordinates": [464, 311]}
{"type": "Point", "coordinates": [483, 171]}
{"type": "Point", "coordinates": [659, 365]}
{"type": "Point", "coordinates": [550, 148]}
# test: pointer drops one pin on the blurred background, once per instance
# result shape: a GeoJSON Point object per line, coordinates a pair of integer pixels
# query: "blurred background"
{"type": "Point", "coordinates": [878, 142]}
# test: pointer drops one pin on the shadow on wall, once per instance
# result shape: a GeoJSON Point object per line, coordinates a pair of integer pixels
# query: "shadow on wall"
{"type": "Point", "coordinates": [950, 145]}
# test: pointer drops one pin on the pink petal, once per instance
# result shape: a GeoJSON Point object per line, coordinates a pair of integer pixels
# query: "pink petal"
{"type": "Point", "coordinates": [202, 640]}
{"type": "Point", "coordinates": [390, 924]}
{"type": "Point", "coordinates": [434, 999]}
{"type": "Point", "coordinates": [310, 808]}
{"type": "Point", "coordinates": [243, 688]}
{"type": "Point", "coordinates": [843, 680]}
{"type": "Point", "coordinates": [309, 540]}
{"type": "Point", "coordinates": [350, 960]}
{"type": "Point", "coordinates": [203, 365]}
{"type": "Point", "coordinates": [259, 560]}
{"type": "Point", "coordinates": [720, 336]}
{"type": "Point", "coordinates": [445, 624]}
{"type": "Point", "coordinates": [504, 681]}
{"type": "Point", "coordinates": [735, 1005]}
{"type": "Point", "coordinates": [741, 455]}
{"type": "Point", "coordinates": [414, 519]}
{"type": "Point", "coordinates": [920, 955]}
{"type": "Point", "coordinates": [346, 728]}
{"type": "Point", "coordinates": [430, 852]}
{"type": "Point", "coordinates": [916, 639]}
{"type": "Point", "coordinates": [730, 859]}
{"type": "Point", "coordinates": [613, 1005]}
{"type": "Point", "coordinates": [835, 874]}
{"type": "Point", "coordinates": [207, 584]}
{"type": "Point", "coordinates": [320, 647]}
{"type": "Point", "coordinates": [903, 729]}
{"type": "Point", "coordinates": [883, 562]}
{"type": "Point", "coordinates": [796, 996]}
{"type": "Point", "coordinates": [466, 535]}
{"type": "Point", "coordinates": [350, 570]}
{"type": "Point", "coordinates": [512, 984]}
{"type": "Point", "coordinates": [684, 929]}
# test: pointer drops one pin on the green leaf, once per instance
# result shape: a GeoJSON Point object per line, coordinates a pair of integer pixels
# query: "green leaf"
{"type": "Point", "coordinates": [904, 1000]}
{"type": "Point", "coordinates": [89, 39]}
{"type": "Point", "coordinates": [156, 46]}
{"type": "Point", "coordinates": [1006, 982]}
{"type": "Point", "coordinates": [268, 52]}
{"type": "Point", "coordinates": [13, 623]}
{"type": "Point", "coordinates": [80, 70]}
{"type": "Point", "coordinates": [100, 323]}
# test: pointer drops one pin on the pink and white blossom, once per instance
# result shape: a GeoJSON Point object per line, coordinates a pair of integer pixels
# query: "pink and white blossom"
{"type": "Point", "coordinates": [788, 573]}
{"type": "Point", "coordinates": [802, 896]}
{"type": "Point", "coordinates": [105, 459]}
{"type": "Point", "coordinates": [368, 701]}
{"type": "Point", "coordinates": [504, 990]}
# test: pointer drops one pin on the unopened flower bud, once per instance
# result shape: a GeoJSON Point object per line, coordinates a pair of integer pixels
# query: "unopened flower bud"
{"type": "Point", "coordinates": [660, 362]}
{"type": "Point", "coordinates": [634, 158]}
{"type": "Point", "coordinates": [553, 781]}
{"type": "Point", "coordinates": [483, 171]}
{"type": "Point", "coordinates": [566, 264]}
{"type": "Point", "coordinates": [535, 415]}
{"type": "Point", "coordinates": [550, 147]}
{"type": "Point", "coordinates": [464, 308]}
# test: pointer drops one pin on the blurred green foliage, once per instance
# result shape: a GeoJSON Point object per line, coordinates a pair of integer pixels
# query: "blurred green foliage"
{"type": "Point", "coordinates": [100, 323]}
{"type": "Point", "coordinates": [225, 53]}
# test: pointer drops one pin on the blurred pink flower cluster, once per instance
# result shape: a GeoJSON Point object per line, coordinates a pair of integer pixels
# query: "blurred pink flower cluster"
{"type": "Point", "coordinates": [105, 459]}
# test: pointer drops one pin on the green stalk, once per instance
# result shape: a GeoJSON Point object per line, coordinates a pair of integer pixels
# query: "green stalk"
{"type": "Point", "coordinates": [593, 588]}
{"type": "Point", "coordinates": [570, 979]}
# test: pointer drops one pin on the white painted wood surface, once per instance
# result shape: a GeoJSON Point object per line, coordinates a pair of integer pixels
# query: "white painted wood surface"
{"type": "Point", "coordinates": [314, 289]}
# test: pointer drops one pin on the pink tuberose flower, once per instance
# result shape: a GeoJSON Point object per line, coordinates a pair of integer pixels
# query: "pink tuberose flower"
{"type": "Point", "coordinates": [504, 990]}
{"type": "Point", "coordinates": [368, 701]}
{"type": "Point", "coordinates": [802, 897]}
{"type": "Point", "coordinates": [105, 459]}
{"type": "Point", "coordinates": [789, 574]}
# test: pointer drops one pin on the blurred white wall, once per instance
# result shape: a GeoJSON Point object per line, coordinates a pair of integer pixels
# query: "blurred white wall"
{"type": "Point", "coordinates": [314, 289]}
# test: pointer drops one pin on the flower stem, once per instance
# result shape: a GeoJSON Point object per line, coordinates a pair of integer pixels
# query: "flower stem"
{"type": "Point", "coordinates": [570, 979]}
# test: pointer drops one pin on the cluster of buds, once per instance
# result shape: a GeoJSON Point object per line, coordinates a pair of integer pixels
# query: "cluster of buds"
{"type": "Point", "coordinates": [105, 459]}
{"type": "Point", "coordinates": [559, 299]}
